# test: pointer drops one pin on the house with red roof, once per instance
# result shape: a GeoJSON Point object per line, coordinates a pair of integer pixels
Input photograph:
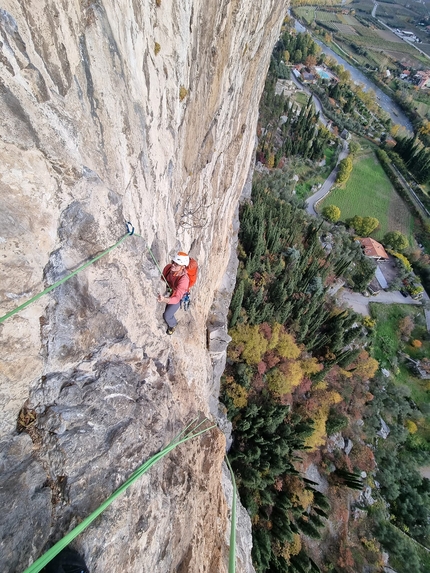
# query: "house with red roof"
{"type": "Point", "coordinates": [373, 249]}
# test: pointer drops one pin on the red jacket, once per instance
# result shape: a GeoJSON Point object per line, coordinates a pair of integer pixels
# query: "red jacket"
{"type": "Point", "coordinates": [178, 282]}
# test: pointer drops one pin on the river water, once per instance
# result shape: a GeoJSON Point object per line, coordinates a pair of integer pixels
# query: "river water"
{"type": "Point", "coordinates": [384, 100]}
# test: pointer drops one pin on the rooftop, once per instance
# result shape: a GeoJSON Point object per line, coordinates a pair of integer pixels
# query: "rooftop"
{"type": "Point", "coordinates": [373, 249]}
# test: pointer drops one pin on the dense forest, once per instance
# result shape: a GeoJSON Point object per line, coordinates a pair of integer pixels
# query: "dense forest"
{"type": "Point", "coordinates": [301, 378]}
{"type": "Point", "coordinates": [288, 333]}
{"type": "Point", "coordinates": [299, 370]}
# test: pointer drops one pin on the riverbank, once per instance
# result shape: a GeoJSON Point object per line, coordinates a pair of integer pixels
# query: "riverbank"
{"type": "Point", "coordinates": [360, 76]}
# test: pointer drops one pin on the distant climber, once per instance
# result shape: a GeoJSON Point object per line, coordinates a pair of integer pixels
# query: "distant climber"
{"type": "Point", "coordinates": [178, 280]}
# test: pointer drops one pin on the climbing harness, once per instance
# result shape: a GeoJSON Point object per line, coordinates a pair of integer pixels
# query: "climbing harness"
{"type": "Point", "coordinates": [191, 431]}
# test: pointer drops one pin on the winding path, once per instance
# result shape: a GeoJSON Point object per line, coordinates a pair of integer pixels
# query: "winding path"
{"type": "Point", "coordinates": [329, 182]}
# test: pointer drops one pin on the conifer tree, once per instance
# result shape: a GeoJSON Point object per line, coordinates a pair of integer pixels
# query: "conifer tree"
{"type": "Point", "coordinates": [236, 303]}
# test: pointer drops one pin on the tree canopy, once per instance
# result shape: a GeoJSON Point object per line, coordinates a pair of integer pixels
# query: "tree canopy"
{"type": "Point", "coordinates": [396, 240]}
{"type": "Point", "coordinates": [363, 226]}
{"type": "Point", "coordinates": [331, 213]}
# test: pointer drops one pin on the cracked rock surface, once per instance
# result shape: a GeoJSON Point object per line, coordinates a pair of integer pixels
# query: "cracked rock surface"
{"type": "Point", "coordinates": [114, 111]}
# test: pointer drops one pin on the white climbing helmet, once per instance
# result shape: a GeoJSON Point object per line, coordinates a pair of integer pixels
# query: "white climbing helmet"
{"type": "Point", "coordinates": [181, 259]}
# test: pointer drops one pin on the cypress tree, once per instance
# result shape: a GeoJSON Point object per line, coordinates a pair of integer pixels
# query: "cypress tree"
{"type": "Point", "coordinates": [308, 528]}
{"type": "Point", "coordinates": [236, 303]}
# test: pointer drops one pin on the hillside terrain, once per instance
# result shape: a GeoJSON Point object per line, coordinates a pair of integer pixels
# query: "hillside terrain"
{"type": "Point", "coordinates": [329, 404]}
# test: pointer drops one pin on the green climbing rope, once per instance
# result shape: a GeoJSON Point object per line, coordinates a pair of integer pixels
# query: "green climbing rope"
{"type": "Point", "coordinates": [81, 268]}
{"type": "Point", "coordinates": [232, 554]}
{"type": "Point", "coordinates": [183, 437]}
{"type": "Point", "coordinates": [63, 280]}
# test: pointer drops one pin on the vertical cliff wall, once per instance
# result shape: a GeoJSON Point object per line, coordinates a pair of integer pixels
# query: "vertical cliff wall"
{"type": "Point", "coordinates": [118, 110]}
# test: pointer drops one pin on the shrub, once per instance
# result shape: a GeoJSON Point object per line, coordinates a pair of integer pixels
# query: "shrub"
{"type": "Point", "coordinates": [157, 48]}
{"type": "Point", "coordinates": [183, 92]}
{"type": "Point", "coordinates": [369, 322]}
{"type": "Point", "coordinates": [405, 263]}
{"type": "Point", "coordinates": [416, 343]}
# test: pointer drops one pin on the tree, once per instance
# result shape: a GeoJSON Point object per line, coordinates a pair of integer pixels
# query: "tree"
{"type": "Point", "coordinates": [396, 241]}
{"type": "Point", "coordinates": [395, 129]}
{"type": "Point", "coordinates": [310, 61]}
{"type": "Point", "coordinates": [236, 303]}
{"type": "Point", "coordinates": [283, 380]}
{"type": "Point", "coordinates": [363, 225]}
{"type": "Point", "coordinates": [345, 168]}
{"type": "Point", "coordinates": [298, 56]}
{"type": "Point", "coordinates": [365, 366]}
{"type": "Point", "coordinates": [247, 342]}
{"type": "Point", "coordinates": [354, 147]}
{"type": "Point", "coordinates": [331, 213]}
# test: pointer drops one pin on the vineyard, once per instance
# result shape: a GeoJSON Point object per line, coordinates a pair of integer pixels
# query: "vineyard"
{"type": "Point", "coordinates": [362, 36]}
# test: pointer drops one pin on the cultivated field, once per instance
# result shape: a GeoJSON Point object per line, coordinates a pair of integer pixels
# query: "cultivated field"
{"type": "Point", "coordinates": [369, 192]}
{"type": "Point", "coordinates": [389, 36]}
{"type": "Point", "coordinates": [360, 35]}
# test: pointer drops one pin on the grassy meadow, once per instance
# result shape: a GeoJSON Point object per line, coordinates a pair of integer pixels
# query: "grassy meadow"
{"type": "Point", "coordinates": [369, 193]}
{"type": "Point", "coordinates": [387, 343]}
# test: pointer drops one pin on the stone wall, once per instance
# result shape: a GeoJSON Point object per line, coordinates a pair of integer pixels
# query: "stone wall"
{"type": "Point", "coordinates": [118, 110]}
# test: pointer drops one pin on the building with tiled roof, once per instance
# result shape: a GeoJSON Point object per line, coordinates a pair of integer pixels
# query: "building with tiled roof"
{"type": "Point", "coordinates": [373, 249]}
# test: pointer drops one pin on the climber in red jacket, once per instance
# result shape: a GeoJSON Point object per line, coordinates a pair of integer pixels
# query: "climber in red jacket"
{"type": "Point", "coordinates": [177, 278]}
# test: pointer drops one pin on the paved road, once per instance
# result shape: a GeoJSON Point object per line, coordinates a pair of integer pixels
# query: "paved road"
{"type": "Point", "coordinates": [316, 101]}
{"type": "Point", "coordinates": [360, 303]}
{"type": "Point", "coordinates": [328, 183]}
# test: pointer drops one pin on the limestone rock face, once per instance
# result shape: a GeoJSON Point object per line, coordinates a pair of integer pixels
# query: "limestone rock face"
{"type": "Point", "coordinates": [114, 111]}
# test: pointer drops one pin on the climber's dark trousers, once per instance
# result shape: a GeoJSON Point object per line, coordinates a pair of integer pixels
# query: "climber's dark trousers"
{"type": "Point", "coordinates": [169, 314]}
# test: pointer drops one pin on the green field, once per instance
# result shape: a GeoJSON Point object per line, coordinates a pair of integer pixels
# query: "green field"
{"type": "Point", "coordinates": [305, 13]}
{"type": "Point", "coordinates": [326, 16]}
{"type": "Point", "coordinates": [369, 193]}
{"type": "Point", "coordinates": [387, 343]}
{"type": "Point", "coordinates": [301, 98]}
